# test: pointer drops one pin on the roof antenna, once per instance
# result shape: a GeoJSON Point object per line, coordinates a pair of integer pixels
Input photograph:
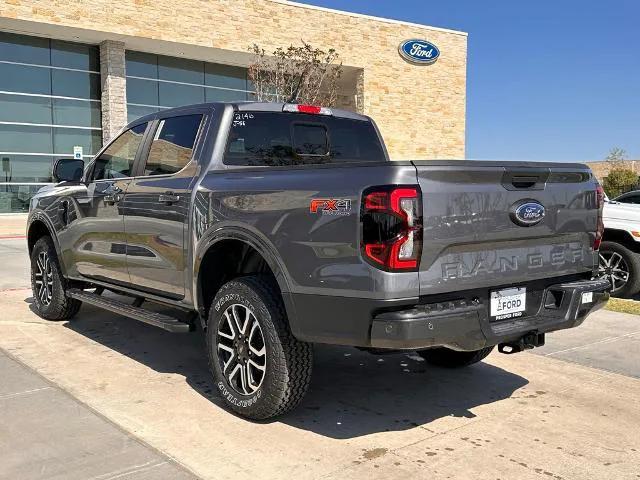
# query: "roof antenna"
{"type": "Point", "coordinates": [294, 95]}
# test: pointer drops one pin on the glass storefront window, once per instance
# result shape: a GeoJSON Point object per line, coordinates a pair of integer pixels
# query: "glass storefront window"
{"type": "Point", "coordinates": [25, 168]}
{"type": "Point", "coordinates": [49, 103]}
{"type": "Point", "coordinates": [25, 79]}
{"type": "Point", "coordinates": [218, 95]}
{"type": "Point", "coordinates": [14, 198]}
{"type": "Point", "coordinates": [75, 55]}
{"type": "Point", "coordinates": [20, 48]}
{"type": "Point", "coordinates": [135, 111]}
{"type": "Point", "coordinates": [38, 110]}
{"type": "Point", "coordinates": [27, 109]}
{"type": "Point", "coordinates": [175, 94]}
{"type": "Point", "coordinates": [76, 112]}
{"type": "Point", "coordinates": [25, 139]}
{"type": "Point", "coordinates": [226, 76]}
{"type": "Point", "coordinates": [142, 65]}
{"type": "Point", "coordinates": [64, 139]}
{"type": "Point", "coordinates": [67, 83]}
{"type": "Point", "coordinates": [155, 82]}
{"type": "Point", "coordinates": [180, 70]}
{"type": "Point", "coordinates": [142, 92]}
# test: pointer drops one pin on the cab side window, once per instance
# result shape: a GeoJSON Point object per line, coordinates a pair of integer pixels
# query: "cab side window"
{"type": "Point", "coordinates": [172, 146]}
{"type": "Point", "coordinates": [117, 160]}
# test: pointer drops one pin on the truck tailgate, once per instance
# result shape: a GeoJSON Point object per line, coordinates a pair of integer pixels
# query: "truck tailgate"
{"type": "Point", "coordinates": [473, 239]}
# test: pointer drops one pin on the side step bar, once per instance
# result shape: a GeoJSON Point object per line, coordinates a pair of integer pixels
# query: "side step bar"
{"type": "Point", "coordinates": [165, 322]}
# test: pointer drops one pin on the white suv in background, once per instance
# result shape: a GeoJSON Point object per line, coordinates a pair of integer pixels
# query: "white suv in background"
{"type": "Point", "coordinates": [620, 249]}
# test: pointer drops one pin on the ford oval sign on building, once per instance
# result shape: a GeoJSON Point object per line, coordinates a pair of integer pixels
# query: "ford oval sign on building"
{"type": "Point", "coordinates": [419, 52]}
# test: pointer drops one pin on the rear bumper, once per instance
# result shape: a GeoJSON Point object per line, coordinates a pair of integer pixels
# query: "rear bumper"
{"type": "Point", "coordinates": [465, 325]}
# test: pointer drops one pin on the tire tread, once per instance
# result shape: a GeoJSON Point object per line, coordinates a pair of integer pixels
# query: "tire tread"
{"type": "Point", "coordinates": [293, 362]}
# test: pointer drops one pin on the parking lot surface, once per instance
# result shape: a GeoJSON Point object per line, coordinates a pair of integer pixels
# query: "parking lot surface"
{"type": "Point", "coordinates": [46, 433]}
{"type": "Point", "coordinates": [569, 410]}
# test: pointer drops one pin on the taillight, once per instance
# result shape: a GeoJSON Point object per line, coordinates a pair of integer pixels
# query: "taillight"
{"type": "Point", "coordinates": [311, 109]}
{"type": "Point", "coordinates": [392, 227]}
{"type": "Point", "coordinates": [600, 224]}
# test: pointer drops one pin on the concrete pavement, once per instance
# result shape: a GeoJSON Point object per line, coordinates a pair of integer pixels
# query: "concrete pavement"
{"type": "Point", "coordinates": [12, 225]}
{"type": "Point", "coordinates": [607, 340]}
{"type": "Point", "coordinates": [14, 258]}
{"type": "Point", "coordinates": [14, 263]}
{"type": "Point", "coordinates": [520, 416]}
{"type": "Point", "coordinates": [46, 433]}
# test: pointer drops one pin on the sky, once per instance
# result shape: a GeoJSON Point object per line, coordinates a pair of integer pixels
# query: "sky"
{"type": "Point", "coordinates": [546, 79]}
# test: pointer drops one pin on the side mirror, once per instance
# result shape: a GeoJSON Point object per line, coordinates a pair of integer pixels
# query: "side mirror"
{"type": "Point", "coordinates": [68, 170]}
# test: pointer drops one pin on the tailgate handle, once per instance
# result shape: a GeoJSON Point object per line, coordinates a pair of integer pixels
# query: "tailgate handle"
{"type": "Point", "coordinates": [522, 181]}
{"type": "Point", "coordinates": [525, 178]}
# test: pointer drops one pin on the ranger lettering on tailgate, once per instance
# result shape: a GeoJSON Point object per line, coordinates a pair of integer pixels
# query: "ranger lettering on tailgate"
{"type": "Point", "coordinates": [568, 254]}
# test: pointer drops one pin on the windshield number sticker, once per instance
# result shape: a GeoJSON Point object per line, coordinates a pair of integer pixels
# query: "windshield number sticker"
{"type": "Point", "coordinates": [240, 119]}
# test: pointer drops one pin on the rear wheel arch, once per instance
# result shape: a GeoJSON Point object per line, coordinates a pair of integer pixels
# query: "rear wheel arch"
{"type": "Point", "coordinates": [234, 255]}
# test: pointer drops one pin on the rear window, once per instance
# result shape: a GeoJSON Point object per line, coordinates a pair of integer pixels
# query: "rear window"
{"type": "Point", "coordinates": [274, 138]}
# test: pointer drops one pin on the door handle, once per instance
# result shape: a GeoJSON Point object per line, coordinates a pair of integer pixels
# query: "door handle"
{"type": "Point", "coordinates": [112, 198]}
{"type": "Point", "coordinates": [112, 195]}
{"type": "Point", "coordinates": [169, 198]}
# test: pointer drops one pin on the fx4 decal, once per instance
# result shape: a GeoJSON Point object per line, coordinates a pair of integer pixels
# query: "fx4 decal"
{"type": "Point", "coordinates": [330, 206]}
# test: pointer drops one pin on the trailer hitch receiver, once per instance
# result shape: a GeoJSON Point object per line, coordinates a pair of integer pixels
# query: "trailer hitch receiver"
{"type": "Point", "coordinates": [526, 342]}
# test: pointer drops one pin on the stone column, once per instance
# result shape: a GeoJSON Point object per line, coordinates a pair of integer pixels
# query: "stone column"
{"type": "Point", "coordinates": [114, 88]}
{"type": "Point", "coordinates": [360, 107]}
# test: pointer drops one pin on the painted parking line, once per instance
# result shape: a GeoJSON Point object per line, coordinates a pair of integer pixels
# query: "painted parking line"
{"type": "Point", "coordinates": [125, 472]}
{"type": "Point", "coordinates": [26, 392]}
{"type": "Point", "coordinates": [587, 345]}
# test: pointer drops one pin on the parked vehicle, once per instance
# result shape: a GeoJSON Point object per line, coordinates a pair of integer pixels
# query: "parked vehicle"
{"type": "Point", "coordinates": [273, 227]}
{"type": "Point", "coordinates": [620, 249]}
{"type": "Point", "coordinates": [632, 197]}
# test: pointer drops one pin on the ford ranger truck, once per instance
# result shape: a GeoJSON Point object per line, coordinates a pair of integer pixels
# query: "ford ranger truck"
{"type": "Point", "coordinates": [271, 227]}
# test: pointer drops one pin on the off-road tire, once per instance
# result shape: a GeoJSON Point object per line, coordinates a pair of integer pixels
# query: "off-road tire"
{"type": "Point", "coordinates": [59, 306]}
{"type": "Point", "coordinates": [447, 358]}
{"type": "Point", "coordinates": [288, 361]}
{"type": "Point", "coordinates": [632, 260]}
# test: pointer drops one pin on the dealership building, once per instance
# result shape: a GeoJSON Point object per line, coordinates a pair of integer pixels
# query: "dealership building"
{"type": "Point", "coordinates": [73, 73]}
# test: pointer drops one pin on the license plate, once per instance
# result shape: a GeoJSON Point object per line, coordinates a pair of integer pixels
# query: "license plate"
{"type": "Point", "coordinates": [508, 303]}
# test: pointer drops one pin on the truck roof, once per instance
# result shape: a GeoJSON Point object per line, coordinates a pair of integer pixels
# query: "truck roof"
{"type": "Point", "coordinates": [240, 106]}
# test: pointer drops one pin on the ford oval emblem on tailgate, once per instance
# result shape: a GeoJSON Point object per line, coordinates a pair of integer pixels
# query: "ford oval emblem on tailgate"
{"type": "Point", "coordinates": [527, 213]}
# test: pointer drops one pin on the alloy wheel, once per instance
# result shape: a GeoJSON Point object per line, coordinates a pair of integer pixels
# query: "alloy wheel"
{"type": "Point", "coordinates": [44, 278]}
{"type": "Point", "coordinates": [613, 267]}
{"type": "Point", "coordinates": [241, 349]}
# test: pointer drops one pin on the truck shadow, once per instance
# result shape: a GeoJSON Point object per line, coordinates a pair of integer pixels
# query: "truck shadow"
{"type": "Point", "coordinates": [353, 393]}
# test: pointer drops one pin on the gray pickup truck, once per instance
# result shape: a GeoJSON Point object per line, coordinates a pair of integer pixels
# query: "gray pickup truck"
{"type": "Point", "coordinates": [271, 227]}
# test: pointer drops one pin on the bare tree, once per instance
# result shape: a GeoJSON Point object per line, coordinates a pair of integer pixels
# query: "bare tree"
{"type": "Point", "coordinates": [296, 74]}
{"type": "Point", "coordinates": [616, 155]}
